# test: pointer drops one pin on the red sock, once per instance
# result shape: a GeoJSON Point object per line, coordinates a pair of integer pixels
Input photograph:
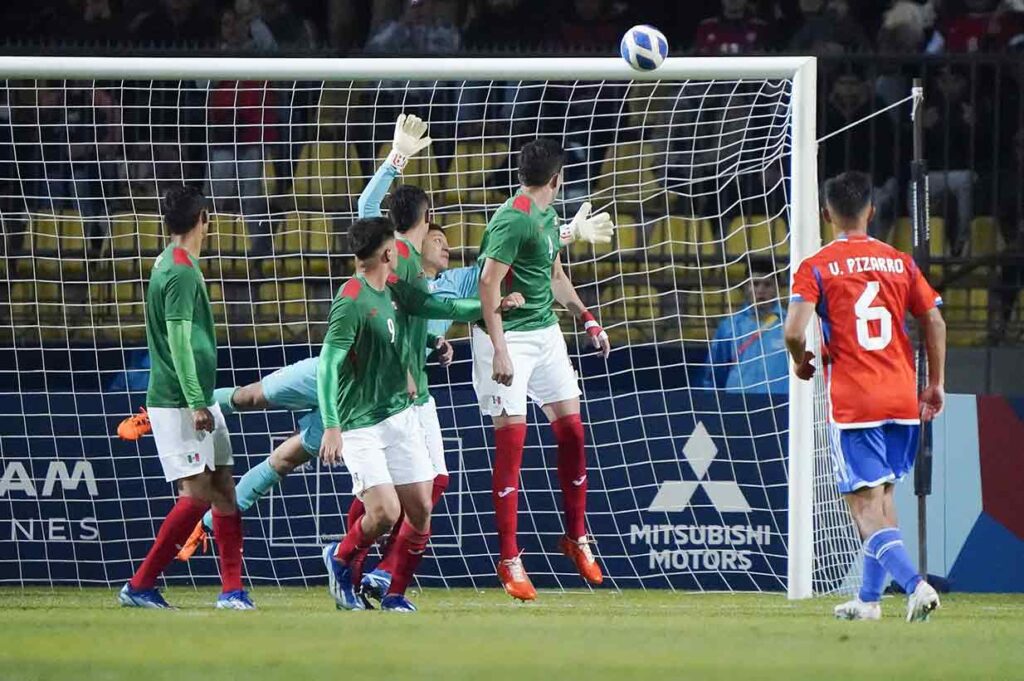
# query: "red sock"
{"type": "Point", "coordinates": [410, 546]}
{"type": "Point", "coordinates": [389, 561]}
{"type": "Point", "coordinates": [572, 473]}
{"type": "Point", "coordinates": [173, 531]}
{"type": "Point", "coordinates": [355, 511]}
{"type": "Point", "coordinates": [508, 457]}
{"type": "Point", "coordinates": [227, 528]}
{"type": "Point", "coordinates": [355, 541]}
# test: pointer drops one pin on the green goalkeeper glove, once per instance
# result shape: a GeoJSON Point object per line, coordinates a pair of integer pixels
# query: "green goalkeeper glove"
{"type": "Point", "coordinates": [596, 229]}
{"type": "Point", "coordinates": [410, 139]}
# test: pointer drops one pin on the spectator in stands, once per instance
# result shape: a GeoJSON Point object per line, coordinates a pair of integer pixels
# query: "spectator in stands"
{"type": "Point", "coordinates": [176, 21]}
{"type": "Point", "coordinates": [424, 27]}
{"type": "Point", "coordinates": [734, 31]}
{"type": "Point", "coordinates": [1010, 215]}
{"type": "Point", "coordinates": [748, 353]}
{"type": "Point", "coordinates": [828, 28]}
{"type": "Point", "coordinates": [589, 26]}
{"type": "Point", "coordinates": [907, 28]}
{"type": "Point", "coordinates": [250, 21]}
{"type": "Point", "coordinates": [93, 119]}
{"type": "Point", "coordinates": [242, 118]}
{"type": "Point", "coordinates": [290, 30]}
{"type": "Point", "coordinates": [870, 146]}
{"type": "Point", "coordinates": [951, 137]}
{"type": "Point", "coordinates": [982, 26]}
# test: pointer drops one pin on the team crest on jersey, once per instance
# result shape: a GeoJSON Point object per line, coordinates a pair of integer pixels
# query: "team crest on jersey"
{"type": "Point", "coordinates": [372, 313]}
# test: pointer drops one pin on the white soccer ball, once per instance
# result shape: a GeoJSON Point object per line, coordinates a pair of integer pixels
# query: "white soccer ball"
{"type": "Point", "coordinates": [644, 47]}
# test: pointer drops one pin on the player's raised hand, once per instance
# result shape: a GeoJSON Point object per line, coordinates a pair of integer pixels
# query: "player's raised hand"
{"type": "Point", "coordinates": [933, 399]}
{"type": "Point", "coordinates": [202, 420]}
{"type": "Point", "coordinates": [501, 368]}
{"type": "Point", "coordinates": [598, 336]}
{"type": "Point", "coordinates": [805, 370]}
{"type": "Point", "coordinates": [596, 229]}
{"type": "Point", "coordinates": [410, 139]}
{"type": "Point", "coordinates": [330, 447]}
{"type": "Point", "coordinates": [512, 301]}
{"type": "Point", "coordinates": [445, 352]}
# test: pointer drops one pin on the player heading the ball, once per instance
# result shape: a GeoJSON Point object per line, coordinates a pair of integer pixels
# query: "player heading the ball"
{"type": "Point", "coordinates": [861, 290]}
{"type": "Point", "coordinates": [524, 354]}
{"type": "Point", "coordinates": [192, 439]}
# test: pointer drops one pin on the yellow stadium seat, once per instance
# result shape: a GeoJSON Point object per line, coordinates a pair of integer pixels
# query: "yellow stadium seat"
{"type": "Point", "coordinates": [684, 239]}
{"type": "Point", "coordinates": [966, 312]}
{"type": "Point", "coordinates": [127, 302]}
{"type": "Point", "coordinates": [151, 236]}
{"type": "Point", "coordinates": [124, 246]}
{"type": "Point", "coordinates": [469, 172]}
{"type": "Point", "coordinates": [756, 235]}
{"type": "Point", "coordinates": [328, 177]}
{"type": "Point", "coordinates": [628, 173]}
{"type": "Point", "coordinates": [293, 301]}
{"type": "Point", "coordinates": [57, 243]}
{"type": "Point", "coordinates": [903, 236]}
{"type": "Point", "coordinates": [303, 246]}
{"type": "Point", "coordinates": [986, 238]}
{"type": "Point", "coordinates": [270, 183]}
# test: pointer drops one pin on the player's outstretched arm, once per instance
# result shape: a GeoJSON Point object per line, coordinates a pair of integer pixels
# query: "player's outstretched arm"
{"type": "Point", "coordinates": [566, 295]}
{"type": "Point", "coordinates": [342, 327]}
{"type": "Point", "coordinates": [409, 140]}
{"type": "Point", "coordinates": [933, 327]}
{"type": "Point", "coordinates": [795, 333]}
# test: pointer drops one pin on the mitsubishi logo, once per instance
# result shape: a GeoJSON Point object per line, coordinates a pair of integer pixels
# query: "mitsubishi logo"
{"type": "Point", "coordinates": [674, 495]}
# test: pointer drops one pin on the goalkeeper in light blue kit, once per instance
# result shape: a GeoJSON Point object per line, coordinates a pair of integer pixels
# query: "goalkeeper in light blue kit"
{"type": "Point", "coordinates": [294, 387]}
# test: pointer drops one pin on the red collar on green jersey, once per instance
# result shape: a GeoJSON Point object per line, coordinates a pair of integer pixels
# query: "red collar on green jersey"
{"type": "Point", "coordinates": [522, 203]}
{"type": "Point", "coordinates": [181, 257]}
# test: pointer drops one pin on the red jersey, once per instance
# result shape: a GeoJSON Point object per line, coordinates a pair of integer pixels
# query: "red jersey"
{"type": "Point", "coordinates": [721, 36]}
{"type": "Point", "coordinates": [862, 290]}
{"type": "Point", "coordinates": [971, 32]}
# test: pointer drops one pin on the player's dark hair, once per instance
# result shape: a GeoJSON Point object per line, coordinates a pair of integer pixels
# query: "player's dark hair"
{"type": "Point", "coordinates": [407, 205]}
{"type": "Point", "coordinates": [182, 206]}
{"type": "Point", "coordinates": [539, 161]}
{"type": "Point", "coordinates": [366, 235]}
{"type": "Point", "coordinates": [759, 268]}
{"type": "Point", "coordinates": [434, 227]}
{"type": "Point", "coordinates": [848, 194]}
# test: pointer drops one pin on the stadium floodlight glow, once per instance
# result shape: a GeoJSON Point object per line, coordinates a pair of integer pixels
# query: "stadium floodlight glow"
{"type": "Point", "coordinates": [707, 163]}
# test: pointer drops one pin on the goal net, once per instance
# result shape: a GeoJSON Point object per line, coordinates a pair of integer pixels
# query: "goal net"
{"type": "Point", "coordinates": [708, 470]}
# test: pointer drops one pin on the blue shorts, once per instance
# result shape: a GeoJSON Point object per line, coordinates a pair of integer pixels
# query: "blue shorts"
{"type": "Point", "coordinates": [292, 387]}
{"type": "Point", "coordinates": [868, 457]}
{"type": "Point", "coordinates": [311, 432]}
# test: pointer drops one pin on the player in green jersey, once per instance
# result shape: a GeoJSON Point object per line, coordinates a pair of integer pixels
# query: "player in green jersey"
{"type": "Point", "coordinates": [524, 355]}
{"type": "Point", "coordinates": [191, 437]}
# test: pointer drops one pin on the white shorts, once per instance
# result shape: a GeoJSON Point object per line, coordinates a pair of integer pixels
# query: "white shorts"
{"type": "Point", "coordinates": [387, 453]}
{"type": "Point", "coordinates": [541, 371]}
{"type": "Point", "coordinates": [184, 452]}
{"type": "Point", "coordinates": [427, 415]}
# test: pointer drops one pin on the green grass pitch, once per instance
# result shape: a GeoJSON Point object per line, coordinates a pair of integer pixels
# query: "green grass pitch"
{"type": "Point", "coordinates": [297, 634]}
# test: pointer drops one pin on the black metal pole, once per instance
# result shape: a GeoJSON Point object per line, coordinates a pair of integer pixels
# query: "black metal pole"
{"type": "Point", "coordinates": [922, 255]}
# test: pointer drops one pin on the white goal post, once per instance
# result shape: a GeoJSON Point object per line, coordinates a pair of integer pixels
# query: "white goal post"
{"type": "Point", "coordinates": [673, 272]}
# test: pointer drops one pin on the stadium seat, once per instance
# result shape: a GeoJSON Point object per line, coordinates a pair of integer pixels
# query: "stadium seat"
{"type": "Point", "coordinates": [303, 246]}
{"type": "Point", "coordinates": [227, 246]}
{"type": "Point", "coordinates": [328, 177]}
{"type": "Point", "coordinates": [628, 174]}
{"type": "Point", "coordinates": [124, 246]}
{"type": "Point", "coordinates": [685, 240]}
{"type": "Point", "coordinates": [469, 172]}
{"type": "Point", "coordinates": [756, 235]}
{"type": "Point", "coordinates": [902, 237]}
{"type": "Point", "coordinates": [986, 238]}
{"type": "Point", "coordinates": [966, 312]}
{"type": "Point", "coordinates": [57, 243]}
{"type": "Point", "coordinates": [128, 307]}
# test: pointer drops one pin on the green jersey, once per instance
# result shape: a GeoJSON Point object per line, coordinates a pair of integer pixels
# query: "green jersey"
{"type": "Point", "coordinates": [525, 238]}
{"type": "Point", "coordinates": [177, 293]}
{"type": "Point", "coordinates": [416, 305]}
{"type": "Point", "coordinates": [362, 333]}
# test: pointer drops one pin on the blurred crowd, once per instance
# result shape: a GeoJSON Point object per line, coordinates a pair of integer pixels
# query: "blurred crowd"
{"type": "Point", "coordinates": [453, 26]}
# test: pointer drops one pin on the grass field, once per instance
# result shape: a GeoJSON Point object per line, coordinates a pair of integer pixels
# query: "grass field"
{"type": "Point", "coordinates": [72, 634]}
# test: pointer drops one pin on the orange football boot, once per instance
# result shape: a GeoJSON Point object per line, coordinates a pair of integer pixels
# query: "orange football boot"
{"type": "Point", "coordinates": [134, 427]}
{"type": "Point", "coordinates": [580, 554]}
{"type": "Point", "coordinates": [198, 536]}
{"type": "Point", "coordinates": [515, 580]}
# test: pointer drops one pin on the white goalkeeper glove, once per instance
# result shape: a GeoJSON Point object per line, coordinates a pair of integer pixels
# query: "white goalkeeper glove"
{"type": "Point", "coordinates": [410, 139]}
{"type": "Point", "coordinates": [597, 229]}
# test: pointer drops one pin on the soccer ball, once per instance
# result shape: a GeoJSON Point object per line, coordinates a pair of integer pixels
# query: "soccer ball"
{"type": "Point", "coordinates": [644, 47]}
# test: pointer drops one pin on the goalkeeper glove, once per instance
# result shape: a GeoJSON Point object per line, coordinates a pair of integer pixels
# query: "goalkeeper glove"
{"type": "Point", "coordinates": [805, 370]}
{"type": "Point", "coordinates": [597, 229]}
{"type": "Point", "coordinates": [410, 139]}
{"type": "Point", "coordinates": [598, 336]}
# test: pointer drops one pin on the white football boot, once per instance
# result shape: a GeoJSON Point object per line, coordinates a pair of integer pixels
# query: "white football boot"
{"type": "Point", "coordinates": [922, 602]}
{"type": "Point", "coordinates": [858, 610]}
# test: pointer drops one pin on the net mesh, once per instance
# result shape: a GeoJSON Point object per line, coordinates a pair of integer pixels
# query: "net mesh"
{"type": "Point", "coordinates": [688, 482]}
